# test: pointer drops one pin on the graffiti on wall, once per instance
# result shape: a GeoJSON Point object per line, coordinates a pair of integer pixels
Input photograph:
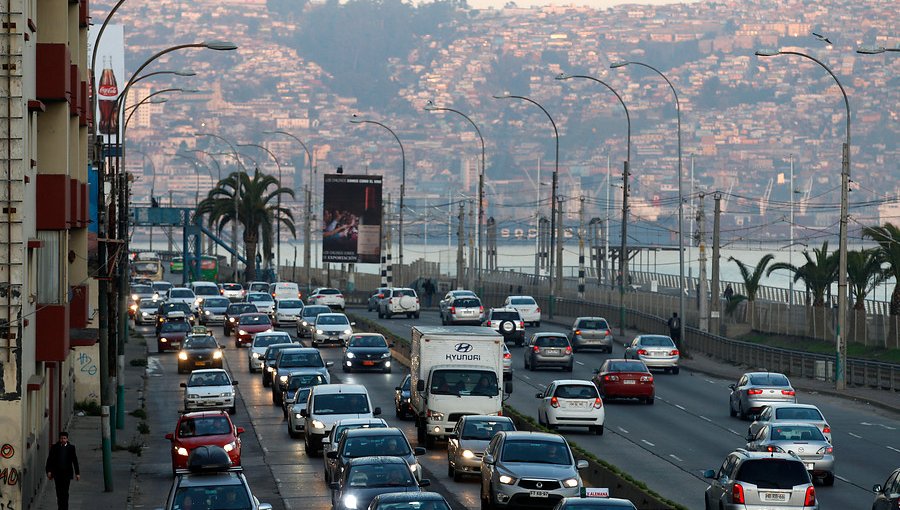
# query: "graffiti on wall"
{"type": "Point", "coordinates": [9, 476]}
{"type": "Point", "coordinates": [87, 364]}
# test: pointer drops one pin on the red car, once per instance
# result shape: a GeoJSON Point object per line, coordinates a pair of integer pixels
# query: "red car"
{"type": "Point", "coordinates": [625, 378]}
{"type": "Point", "coordinates": [204, 428]}
{"type": "Point", "coordinates": [249, 324]}
{"type": "Point", "coordinates": [171, 335]}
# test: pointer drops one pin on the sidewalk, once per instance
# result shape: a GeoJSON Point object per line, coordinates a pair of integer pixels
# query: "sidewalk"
{"type": "Point", "coordinates": [84, 433]}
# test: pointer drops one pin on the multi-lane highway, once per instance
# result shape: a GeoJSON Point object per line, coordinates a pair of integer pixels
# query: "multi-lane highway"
{"type": "Point", "coordinates": [667, 445]}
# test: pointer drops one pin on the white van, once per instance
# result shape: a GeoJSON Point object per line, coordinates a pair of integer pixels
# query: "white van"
{"type": "Point", "coordinates": [203, 290]}
{"type": "Point", "coordinates": [284, 290]}
{"type": "Point", "coordinates": [329, 403]}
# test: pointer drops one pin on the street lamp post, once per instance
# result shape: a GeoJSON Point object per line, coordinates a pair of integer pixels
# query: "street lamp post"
{"type": "Point", "coordinates": [623, 249]}
{"type": "Point", "coordinates": [430, 106]}
{"type": "Point", "coordinates": [357, 120]}
{"type": "Point", "coordinates": [840, 367]}
{"type": "Point", "coordinates": [307, 245]}
{"type": "Point", "coordinates": [683, 288]}
{"type": "Point", "coordinates": [278, 218]}
{"type": "Point", "coordinates": [556, 282]}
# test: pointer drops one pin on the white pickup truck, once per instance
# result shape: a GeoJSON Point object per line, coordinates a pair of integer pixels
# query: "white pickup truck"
{"type": "Point", "coordinates": [456, 371]}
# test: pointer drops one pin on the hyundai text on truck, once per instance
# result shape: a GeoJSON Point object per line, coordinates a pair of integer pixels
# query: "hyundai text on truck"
{"type": "Point", "coordinates": [456, 371]}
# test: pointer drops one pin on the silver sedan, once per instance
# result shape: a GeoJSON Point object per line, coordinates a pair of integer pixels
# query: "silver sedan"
{"type": "Point", "coordinates": [757, 389]}
{"type": "Point", "coordinates": [470, 437]}
{"type": "Point", "coordinates": [656, 351]}
{"type": "Point", "coordinates": [804, 440]}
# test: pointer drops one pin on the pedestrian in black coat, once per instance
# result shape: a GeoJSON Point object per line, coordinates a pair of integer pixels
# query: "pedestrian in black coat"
{"type": "Point", "coordinates": [62, 466]}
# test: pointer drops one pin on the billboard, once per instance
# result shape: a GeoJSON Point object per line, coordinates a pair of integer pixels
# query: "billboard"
{"type": "Point", "coordinates": [109, 76]}
{"type": "Point", "coordinates": [351, 219]}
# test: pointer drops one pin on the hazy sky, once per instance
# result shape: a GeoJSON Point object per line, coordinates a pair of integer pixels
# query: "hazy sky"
{"type": "Point", "coordinates": [483, 4]}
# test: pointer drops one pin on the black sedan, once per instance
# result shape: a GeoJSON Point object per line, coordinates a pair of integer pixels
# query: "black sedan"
{"type": "Point", "coordinates": [234, 311]}
{"type": "Point", "coordinates": [367, 351]}
{"type": "Point", "coordinates": [199, 351]}
{"type": "Point", "coordinates": [162, 313]}
{"type": "Point", "coordinates": [402, 405]}
{"type": "Point", "coordinates": [420, 500]}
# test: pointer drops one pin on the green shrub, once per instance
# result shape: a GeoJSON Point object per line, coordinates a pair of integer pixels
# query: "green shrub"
{"type": "Point", "coordinates": [138, 362]}
{"type": "Point", "coordinates": [88, 407]}
{"type": "Point", "coordinates": [143, 427]}
{"type": "Point", "coordinates": [139, 413]}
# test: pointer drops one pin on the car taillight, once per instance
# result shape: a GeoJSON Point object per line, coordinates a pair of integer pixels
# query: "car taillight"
{"type": "Point", "coordinates": [554, 402]}
{"type": "Point", "coordinates": [673, 352]}
{"type": "Point", "coordinates": [598, 403]}
{"type": "Point", "coordinates": [578, 332]}
{"type": "Point", "coordinates": [480, 309]}
{"type": "Point", "coordinates": [642, 352]}
{"type": "Point", "coordinates": [789, 393]}
{"type": "Point", "coordinates": [340, 296]}
{"type": "Point", "coordinates": [611, 378]}
{"type": "Point", "coordinates": [774, 449]}
{"type": "Point", "coordinates": [222, 292]}
{"type": "Point", "coordinates": [810, 499]}
{"type": "Point", "coordinates": [826, 450]}
{"type": "Point", "coordinates": [646, 378]}
{"type": "Point", "coordinates": [826, 430]}
{"type": "Point", "coordinates": [737, 494]}
{"type": "Point", "coordinates": [754, 392]}
{"type": "Point", "coordinates": [391, 301]}
{"type": "Point", "coordinates": [521, 324]}
{"type": "Point", "coordinates": [536, 349]}
{"type": "Point", "coordinates": [453, 310]}
{"type": "Point", "coordinates": [537, 310]}
{"type": "Point", "coordinates": [568, 349]}
{"type": "Point", "coordinates": [490, 324]}
{"type": "Point", "coordinates": [608, 332]}
{"type": "Point", "coordinates": [273, 294]}
{"type": "Point", "coordinates": [507, 355]}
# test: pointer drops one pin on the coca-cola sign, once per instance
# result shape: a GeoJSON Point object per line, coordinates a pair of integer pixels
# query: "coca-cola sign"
{"type": "Point", "coordinates": [108, 90]}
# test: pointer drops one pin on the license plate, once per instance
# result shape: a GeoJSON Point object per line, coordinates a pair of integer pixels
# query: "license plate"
{"type": "Point", "coordinates": [774, 496]}
{"type": "Point", "coordinates": [539, 494]}
{"type": "Point", "coordinates": [629, 381]}
{"type": "Point", "coordinates": [199, 363]}
{"type": "Point", "coordinates": [368, 363]}
{"type": "Point", "coordinates": [553, 352]}
{"type": "Point", "coordinates": [577, 404]}
{"type": "Point", "coordinates": [810, 466]}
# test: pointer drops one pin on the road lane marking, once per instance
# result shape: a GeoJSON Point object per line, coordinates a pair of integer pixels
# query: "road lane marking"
{"type": "Point", "coordinates": [854, 435]}
{"type": "Point", "coordinates": [623, 430]}
{"type": "Point", "coordinates": [877, 425]}
{"type": "Point", "coordinates": [526, 377]}
{"type": "Point", "coordinates": [704, 418]}
{"type": "Point", "coordinates": [892, 448]}
{"type": "Point", "coordinates": [580, 363]}
{"type": "Point", "coordinates": [710, 381]}
{"type": "Point", "coordinates": [648, 443]}
{"type": "Point", "coordinates": [680, 407]}
{"type": "Point", "coordinates": [734, 432]}
{"type": "Point", "coordinates": [675, 457]}
{"type": "Point", "coordinates": [154, 367]}
{"type": "Point", "coordinates": [841, 478]}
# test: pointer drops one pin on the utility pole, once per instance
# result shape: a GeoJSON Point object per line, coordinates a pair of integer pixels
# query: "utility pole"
{"type": "Point", "coordinates": [470, 273]}
{"type": "Point", "coordinates": [307, 258]}
{"type": "Point", "coordinates": [623, 250]}
{"type": "Point", "coordinates": [460, 263]}
{"type": "Point", "coordinates": [701, 289]}
{"type": "Point", "coordinates": [384, 231]}
{"type": "Point", "coordinates": [388, 240]}
{"type": "Point", "coordinates": [558, 281]}
{"type": "Point", "coordinates": [715, 314]}
{"type": "Point", "coordinates": [581, 248]}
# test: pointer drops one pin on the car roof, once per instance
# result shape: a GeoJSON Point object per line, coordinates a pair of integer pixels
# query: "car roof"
{"type": "Point", "coordinates": [763, 372]}
{"type": "Point", "coordinates": [279, 346]}
{"type": "Point", "coordinates": [381, 431]}
{"type": "Point", "coordinates": [210, 479]}
{"type": "Point", "coordinates": [254, 313]}
{"type": "Point", "coordinates": [485, 417]}
{"type": "Point", "coordinates": [504, 309]}
{"type": "Point", "coordinates": [379, 335]}
{"type": "Point", "coordinates": [588, 502]}
{"type": "Point", "coordinates": [782, 405]}
{"type": "Point", "coordinates": [515, 297]}
{"type": "Point", "coordinates": [791, 423]}
{"type": "Point", "coordinates": [204, 414]}
{"type": "Point", "coordinates": [302, 350]}
{"type": "Point", "coordinates": [765, 455]}
{"type": "Point", "coordinates": [340, 388]}
{"type": "Point", "coordinates": [304, 371]}
{"type": "Point", "coordinates": [397, 497]}
{"type": "Point", "coordinates": [527, 434]}
{"type": "Point", "coordinates": [581, 382]}
{"type": "Point", "coordinates": [313, 308]}
{"type": "Point", "coordinates": [209, 370]}
{"type": "Point", "coordinates": [359, 421]}
{"type": "Point", "coordinates": [203, 284]}
{"type": "Point", "coordinates": [258, 293]}
{"type": "Point", "coordinates": [272, 333]}
{"type": "Point", "coordinates": [591, 318]}
{"type": "Point", "coordinates": [375, 459]}
{"type": "Point", "coordinates": [338, 314]}
{"type": "Point", "coordinates": [548, 333]}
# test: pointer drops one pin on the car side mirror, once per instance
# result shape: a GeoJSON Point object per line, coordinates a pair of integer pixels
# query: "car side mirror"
{"type": "Point", "coordinates": [425, 482]}
{"type": "Point", "coordinates": [240, 430]}
{"type": "Point", "coordinates": [582, 464]}
{"type": "Point", "coordinates": [183, 385]}
{"type": "Point", "coordinates": [331, 455]}
{"type": "Point", "coordinates": [398, 388]}
{"type": "Point", "coordinates": [418, 451]}
{"type": "Point", "coordinates": [709, 473]}
{"type": "Point", "coordinates": [376, 412]}
{"type": "Point", "coordinates": [488, 459]}
{"type": "Point", "coordinates": [876, 489]}
{"type": "Point", "coordinates": [731, 386]}
{"type": "Point", "coordinates": [595, 371]}
{"type": "Point", "coordinates": [304, 414]}
{"type": "Point", "coordinates": [265, 506]}
{"type": "Point", "coordinates": [538, 395]}
{"type": "Point", "coordinates": [420, 385]}
{"type": "Point", "coordinates": [334, 486]}
{"type": "Point", "coordinates": [749, 437]}
{"type": "Point", "coordinates": [353, 324]}
{"type": "Point", "coordinates": [329, 364]}
{"type": "Point", "coordinates": [508, 387]}
{"type": "Point", "coordinates": [234, 383]}
{"type": "Point", "coordinates": [172, 436]}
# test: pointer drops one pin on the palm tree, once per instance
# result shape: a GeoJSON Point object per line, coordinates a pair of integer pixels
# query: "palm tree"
{"type": "Point", "coordinates": [751, 281]}
{"type": "Point", "coordinates": [888, 239]}
{"type": "Point", "coordinates": [818, 273]}
{"type": "Point", "coordinates": [864, 273]}
{"type": "Point", "coordinates": [257, 210]}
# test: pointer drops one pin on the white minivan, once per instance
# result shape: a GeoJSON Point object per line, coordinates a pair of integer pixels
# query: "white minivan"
{"type": "Point", "coordinates": [284, 290]}
{"type": "Point", "coordinates": [329, 403]}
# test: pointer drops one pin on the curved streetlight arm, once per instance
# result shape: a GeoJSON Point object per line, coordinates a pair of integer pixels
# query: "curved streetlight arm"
{"type": "Point", "coordinates": [563, 76]}
{"type": "Point", "coordinates": [149, 98]}
{"type": "Point", "coordinates": [285, 133]}
{"type": "Point", "coordinates": [210, 156]}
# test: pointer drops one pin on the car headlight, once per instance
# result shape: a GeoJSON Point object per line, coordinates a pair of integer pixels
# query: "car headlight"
{"type": "Point", "coordinates": [319, 332]}
{"type": "Point", "coordinates": [270, 369]}
{"type": "Point", "coordinates": [350, 501]}
{"type": "Point", "coordinates": [468, 454]}
{"type": "Point", "coordinates": [134, 297]}
{"type": "Point", "coordinates": [163, 339]}
{"type": "Point", "coordinates": [385, 355]}
{"type": "Point", "coordinates": [350, 355]}
{"type": "Point", "coordinates": [181, 451]}
{"type": "Point", "coordinates": [305, 323]}
{"type": "Point", "coordinates": [193, 395]}
{"type": "Point", "coordinates": [507, 480]}
{"type": "Point", "coordinates": [206, 312]}
{"type": "Point", "coordinates": [414, 467]}
{"type": "Point", "coordinates": [217, 355]}
{"type": "Point", "coordinates": [434, 415]}
{"type": "Point", "coordinates": [231, 319]}
{"type": "Point", "coordinates": [316, 424]}
{"type": "Point", "coordinates": [298, 416]}
{"type": "Point", "coordinates": [145, 314]}
{"type": "Point", "coordinates": [227, 394]}
{"type": "Point", "coordinates": [283, 378]}
{"type": "Point", "coordinates": [571, 483]}
{"type": "Point", "coordinates": [242, 332]}
{"type": "Point", "coordinates": [230, 446]}
{"type": "Point", "coordinates": [255, 355]}
{"type": "Point", "coordinates": [182, 356]}
{"type": "Point", "coordinates": [348, 331]}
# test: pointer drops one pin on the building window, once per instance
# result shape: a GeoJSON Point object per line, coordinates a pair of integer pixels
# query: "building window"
{"type": "Point", "coordinates": [50, 268]}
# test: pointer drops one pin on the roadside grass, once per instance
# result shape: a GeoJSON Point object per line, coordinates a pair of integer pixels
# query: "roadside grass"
{"type": "Point", "coordinates": [854, 350]}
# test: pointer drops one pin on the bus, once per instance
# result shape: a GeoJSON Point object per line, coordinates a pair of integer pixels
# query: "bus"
{"type": "Point", "coordinates": [147, 268]}
{"type": "Point", "coordinates": [209, 267]}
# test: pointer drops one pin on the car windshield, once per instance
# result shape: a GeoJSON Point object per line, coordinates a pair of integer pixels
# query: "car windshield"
{"type": "Point", "coordinates": [267, 340]}
{"type": "Point", "coordinates": [551, 341]}
{"type": "Point", "coordinates": [367, 446]}
{"type": "Point", "coordinates": [428, 504]}
{"type": "Point", "coordinates": [208, 379]}
{"type": "Point", "coordinates": [576, 391]}
{"type": "Point", "coordinates": [332, 292]}
{"type": "Point", "coordinates": [464, 382]}
{"type": "Point", "coordinates": [271, 352]}
{"type": "Point", "coordinates": [141, 289]}
{"type": "Point", "coordinates": [305, 359]}
{"type": "Point", "coordinates": [367, 341]}
{"type": "Point", "coordinates": [204, 426]}
{"type": "Point", "coordinates": [232, 286]}
{"type": "Point", "coordinates": [201, 342]}
{"type": "Point", "coordinates": [149, 304]}
{"type": "Point", "coordinates": [484, 430]}
{"type": "Point", "coordinates": [536, 451]}
{"type": "Point", "coordinates": [404, 292]}
{"type": "Point", "coordinates": [626, 366]}
{"type": "Point", "coordinates": [312, 311]}
{"type": "Point", "coordinates": [504, 316]}
{"type": "Point", "coordinates": [796, 433]}
{"type": "Point", "coordinates": [340, 429]}
{"type": "Point", "coordinates": [162, 285]}
{"type": "Point", "coordinates": [773, 473]}
{"type": "Point", "coordinates": [341, 403]}
{"type": "Point", "coordinates": [213, 497]}
{"type": "Point", "coordinates": [248, 320]}
{"type": "Point", "coordinates": [290, 303]}
{"type": "Point", "coordinates": [380, 475]}
{"type": "Point", "coordinates": [206, 290]}
{"type": "Point", "coordinates": [181, 293]}
{"type": "Point", "coordinates": [769, 380]}
{"type": "Point", "coordinates": [593, 324]}
{"type": "Point", "coordinates": [241, 308]}
{"type": "Point", "coordinates": [215, 302]}
{"type": "Point", "coordinates": [522, 301]}
{"type": "Point", "coordinates": [175, 327]}
{"type": "Point", "coordinates": [176, 307]}
{"type": "Point", "coordinates": [332, 320]}
{"type": "Point", "coordinates": [466, 303]}
{"type": "Point", "coordinates": [253, 298]}
{"type": "Point", "coordinates": [406, 384]}
{"type": "Point", "coordinates": [305, 381]}
{"type": "Point", "coordinates": [259, 287]}
{"type": "Point", "coordinates": [798, 413]}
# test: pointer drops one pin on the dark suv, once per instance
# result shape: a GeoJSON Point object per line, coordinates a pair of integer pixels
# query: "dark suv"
{"type": "Point", "coordinates": [508, 323]}
{"type": "Point", "coordinates": [775, 481]}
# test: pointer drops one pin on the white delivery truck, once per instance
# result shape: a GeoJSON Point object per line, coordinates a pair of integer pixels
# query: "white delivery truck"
{"type": "Point", "coordinates": [456, 371]}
